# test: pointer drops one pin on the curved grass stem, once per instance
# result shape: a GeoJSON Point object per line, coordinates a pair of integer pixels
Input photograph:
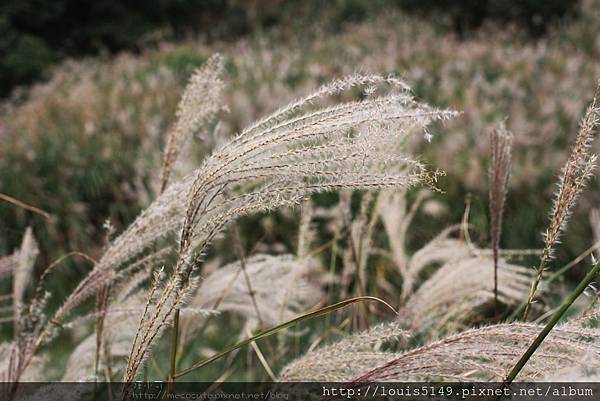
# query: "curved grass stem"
{"type": "Point", "coordinates": [273, 330]}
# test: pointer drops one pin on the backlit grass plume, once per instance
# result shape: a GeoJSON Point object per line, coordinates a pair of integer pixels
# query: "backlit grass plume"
{"type": "Point", "coordinates": [297, 151]}
{"type": "Point", "coordinates": [280, 286]}
{"type": "Point", "coordinates": [200, 100]}
{"type": "Point", "coordinates": [16, 356]}
{"type": "Point", "coordinates": [349, 357]}
{"type": "Point", "coordinates": [487, 353]}
{"type": "Point", "coordinates": [574, 176]}
{"type": "Point", "coordinates": [482, 354]}
{"type": "Point", "coordinates": [452, 297]}
{"type": "Point", "coordinates": [500, 148]}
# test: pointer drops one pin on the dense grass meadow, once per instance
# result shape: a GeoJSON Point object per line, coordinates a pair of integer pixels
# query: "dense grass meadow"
{"type": "Point", "coordinates": [425, 199]}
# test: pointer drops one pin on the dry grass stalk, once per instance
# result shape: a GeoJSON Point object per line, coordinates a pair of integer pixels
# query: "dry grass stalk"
{"type": "Point", "coordinates": [23, 272]}
{"type": "Point", "coordinates": [574, 176]}
{"type": "Point", "coordinates": [24, 205]}
{"type": "Point", "coordinates": [277, 281]}
{"type": "Point", "coordinates": [500, 149]}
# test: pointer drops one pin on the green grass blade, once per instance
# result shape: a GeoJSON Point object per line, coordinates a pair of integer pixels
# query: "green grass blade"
{"type": "Point", "coordinates": [552, 322]}
{"type": "Point", "coordinates": [310, 315]}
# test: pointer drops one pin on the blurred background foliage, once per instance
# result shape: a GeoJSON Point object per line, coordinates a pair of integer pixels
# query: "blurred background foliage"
{"type": "Point", "coordinates": [37, 34]}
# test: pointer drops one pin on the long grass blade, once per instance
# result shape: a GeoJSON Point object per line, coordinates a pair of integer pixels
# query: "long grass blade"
{"type": "Point", "coordinates": [307, 316]}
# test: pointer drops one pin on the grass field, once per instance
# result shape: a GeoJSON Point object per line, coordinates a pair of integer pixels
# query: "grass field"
{"type": "Point", "coordinates": [421, 169]}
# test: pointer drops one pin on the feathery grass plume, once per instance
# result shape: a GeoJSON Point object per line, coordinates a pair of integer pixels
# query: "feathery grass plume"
{"type": "Point", "coordinates": [487, 353]}
{"type": "Point", "coordinates": [275, 279]}
{"type": "Point", "coordinates": [121, 324]}
{"type": "Point", "coordinates": [441, 249]}
{"type": "Point", "coordinates": [396, 216]}
{"type": "Point", "coordinates": [24, 269]}
{"type": "Point", "coordinates": [306, 232]}
{"type": "Point", "coordinates": [347, 358]}
{"type": "Point", "coordinates": [19, 360]}
{"type": "Point", "coordinates": [201, 100]}
{"type": "Point", "coordinates": [343, 146]}
{"type": "Point", "coordinates": [574, 176]}
{"type": "Point", "coordinates": [284, 159]}
{"type": "Point", "coordinates": [501, 141]}
{"type": "Point", "coordinates": [460, 289]}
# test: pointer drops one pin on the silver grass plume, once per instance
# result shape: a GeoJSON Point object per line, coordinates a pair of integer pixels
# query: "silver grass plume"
{"type": "Point", "coordinates": [201, 99]}
{"type": "Point", "coordinates": [501, 141]}
{"type": "Point", "coordinates": [20, 265]}
{"type": "Point", "coordinates": [460, 286]}
{"type": "Point", "coordinates": [482, 354]}
{"type": "Point", "coordinates": [279, 162]}
{"type": "Point", "coordinates": [271, 277]}
{"type": "Point", "coordinates": [488, 353]}
{"type": "Point", "coordinates": [23, 272]}
{"type": "Point", "coordinates": [396, 215]}
{"type": "Point", "coordinates": [460, 289]}
{"type": "Point", "coordinates": [284, 287]}
{"type": "Point", "coordinates": [349, 357]}
{"type": "Point", "coordinates": [441, 249]}
{"type": "Point", "coordinates": [343, 146]}
{"type": "Point", "coordinates": [18, 362]}
{"type": "Point", "coordinates": [574, 176]}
